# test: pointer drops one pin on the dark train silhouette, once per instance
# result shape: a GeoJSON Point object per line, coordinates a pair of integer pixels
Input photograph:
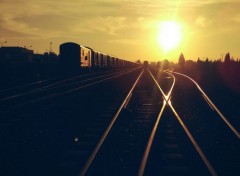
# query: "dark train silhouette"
{"type": "Point", "coordinates": [145, 64]}
{"type": "Point", "coordinates": [74, 55]}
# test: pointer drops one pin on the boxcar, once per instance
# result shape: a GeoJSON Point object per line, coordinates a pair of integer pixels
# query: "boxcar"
{"type": "Point", "coordinates": [105, 61]}
{"type": "Point", "coordinates": [70, 54]}
{"type": "Point", "coordinates": [86, 57]}
{"type": "Point", "coordinates": [73, 55]}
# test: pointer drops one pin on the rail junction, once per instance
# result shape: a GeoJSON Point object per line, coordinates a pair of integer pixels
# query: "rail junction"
{"type": "Point", "coordinates": [129, 122]}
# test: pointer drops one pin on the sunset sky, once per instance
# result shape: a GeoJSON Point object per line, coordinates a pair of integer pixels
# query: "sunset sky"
{"type": "Point", "coordinates": [127, 29]}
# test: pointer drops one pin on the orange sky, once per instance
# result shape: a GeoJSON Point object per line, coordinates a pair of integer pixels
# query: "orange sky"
{"type": "Point", "coordinates": [127, 29]}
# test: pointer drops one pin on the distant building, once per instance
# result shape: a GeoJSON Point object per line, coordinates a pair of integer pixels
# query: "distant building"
{"type": "Point", "coordinates": [15, 55]}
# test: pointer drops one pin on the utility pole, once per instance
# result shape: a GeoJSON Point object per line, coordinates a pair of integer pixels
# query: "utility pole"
{"type": "Point", "coordinates": [50, 48]}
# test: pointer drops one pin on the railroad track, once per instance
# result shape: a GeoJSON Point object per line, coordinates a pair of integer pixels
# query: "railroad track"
{"type": "Point", "coordinates": [218, 138]}
{"type": "Point", "coordinates": [54, 136]}
{"type": "Point", "coordinates": [35, 92]}
{"type": "Point", "coordinates": [149, 133]}
{"type": "Point", "coordinates": [169, 148]}
{"type": "Point", "coordinates": [18, 90]}
{"type": "Point", "coordinates": [175, 156]}
{"type": "Point", "coordinates": [127, 133]}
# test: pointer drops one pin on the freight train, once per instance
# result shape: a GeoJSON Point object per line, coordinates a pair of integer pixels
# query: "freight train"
{"type": "Point", "coordinates": [76, 56]}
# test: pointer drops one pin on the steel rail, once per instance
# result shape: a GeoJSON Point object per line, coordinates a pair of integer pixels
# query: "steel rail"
{"type": "Point", "coordinates": [28, 84]}
{"type": "Point", "coordinates": [44, 81]}
{"type": "Point", "coordinates": [151, 138]}
{"type": "Point", "coordinates": [193, 141]}
{"type": "Point", "coordinates": [51, 86]}
{"type": "Point", "coordinates": [53, 95]}
{"type": "Point", "coordinates": [207, 99]}
{"type": "Point", "coordinates": [99, 81]}
{"type": "Point", "coordinates": [102, 139]}
{"type": "Point", "coordinates": [195, 144]}
{"type": "Point", "coordinates": [150, 141]}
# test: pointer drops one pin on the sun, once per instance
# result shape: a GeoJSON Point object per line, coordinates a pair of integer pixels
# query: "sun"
{"type": "Point", "coordinates": [169, 35]}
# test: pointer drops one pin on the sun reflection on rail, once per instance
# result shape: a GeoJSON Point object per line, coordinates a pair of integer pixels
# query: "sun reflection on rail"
{"type": "Point", "coordinates": [167, 101]}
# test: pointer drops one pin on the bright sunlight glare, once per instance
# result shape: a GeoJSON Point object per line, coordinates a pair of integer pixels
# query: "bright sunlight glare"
{"type": "Point", "coordinates": [169, 35]}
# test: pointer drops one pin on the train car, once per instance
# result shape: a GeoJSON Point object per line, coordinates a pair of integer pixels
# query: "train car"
{"type": "Point", "coordinates": [116, 62]}
{"type": "Point", "coordinates": [100, 60]}
{"type": "Point", "coordinates": [73, 55]}
{"type": "Point", "coordinates": [113, 62]}
{"type": "Point", "coordinates": [70, 54]}
{"type": "Point", "coordinates": [105, 61]}
{"type": "Point", "coordinates": [120, 63]}
{"type": "Point", "coordinates": [95, 59]}
{"type": "Point", "coordinates": [109, 61]}
{"type": "Point", "coordinates": [86, 57]}
{"type": "Point", "coordinates": [92, 57]}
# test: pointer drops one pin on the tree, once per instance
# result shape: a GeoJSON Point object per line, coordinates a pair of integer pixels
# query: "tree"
{"type": "Point", "coordinates": [207, 60]}
{"type": "Point", "coordinates": [181, 60]}
{"type": "Point", "coordinates": [227, 58]}
{"type": "Point", "coordinates": [138, 61]}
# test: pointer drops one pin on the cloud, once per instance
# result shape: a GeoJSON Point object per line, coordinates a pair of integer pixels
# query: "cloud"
{"type": "Point", "coordinates": [125, 41]}
{"type": "Point", "coordinates": [120, 22]}
{"type": "Point", "coordinates": [202, 21]}
{"type": "Point", "coordinates": [110, 25]}
{"type": "Point", "coordinates": [36, 16]}
{"type": "Point", "coordinates": [10, 24]}
{"type": "Point", "coordinates": [236, 18]}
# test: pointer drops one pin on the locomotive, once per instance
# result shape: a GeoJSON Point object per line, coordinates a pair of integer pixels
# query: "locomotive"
{"type": "Point", "coordinates": [74, 55]}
